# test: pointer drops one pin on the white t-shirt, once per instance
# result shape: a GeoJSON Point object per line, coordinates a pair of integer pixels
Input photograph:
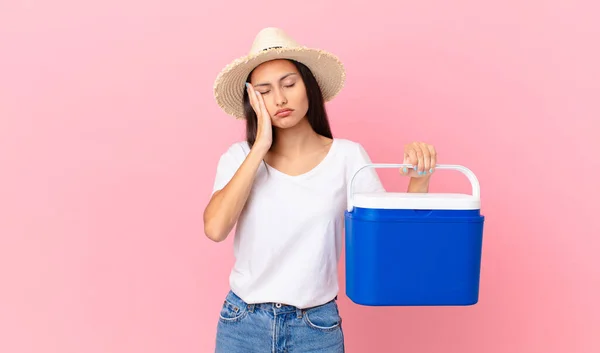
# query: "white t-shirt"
{"type": "Point", "coordinates": [289, 235]}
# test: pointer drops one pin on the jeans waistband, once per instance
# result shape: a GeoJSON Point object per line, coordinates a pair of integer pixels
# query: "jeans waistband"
{"type": "Point", "coordinates": [277, 308]}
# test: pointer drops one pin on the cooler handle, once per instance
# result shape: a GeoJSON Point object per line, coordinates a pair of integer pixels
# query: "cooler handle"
{"type": "Point", "coordinates": [466, 171]}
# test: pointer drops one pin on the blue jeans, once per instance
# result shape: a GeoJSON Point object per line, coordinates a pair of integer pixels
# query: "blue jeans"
{"type": "Point", "coordinates": [278, 328]}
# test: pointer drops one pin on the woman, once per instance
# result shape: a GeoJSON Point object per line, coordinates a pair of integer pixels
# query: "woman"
{"type": "Point", "coordinates": [286, 189]}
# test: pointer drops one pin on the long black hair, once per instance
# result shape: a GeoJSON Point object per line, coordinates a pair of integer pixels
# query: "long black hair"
{"type": "Point", "coordinates": [316, 114]}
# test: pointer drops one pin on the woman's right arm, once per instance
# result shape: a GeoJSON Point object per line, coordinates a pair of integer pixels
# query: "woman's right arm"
{"type": "Point", "coordinates": [225, 206]}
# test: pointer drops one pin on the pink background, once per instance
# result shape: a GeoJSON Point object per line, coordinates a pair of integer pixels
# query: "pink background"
{"type": "Point", "coordinates": [109, 138]}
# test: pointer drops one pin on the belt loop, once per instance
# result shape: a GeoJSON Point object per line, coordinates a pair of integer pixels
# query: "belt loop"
{"type": "Point", "coordinates": [251, 308]}
{"type": "Point", "coordinates": [299, 313]}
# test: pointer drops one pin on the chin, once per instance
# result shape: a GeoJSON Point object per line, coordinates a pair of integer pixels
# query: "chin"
{"type": "Point", "coordinates": [285, 123]}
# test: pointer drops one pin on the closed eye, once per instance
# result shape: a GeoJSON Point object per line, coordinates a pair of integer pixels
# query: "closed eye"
{"type": "Point", "coordinates": [286, 86]}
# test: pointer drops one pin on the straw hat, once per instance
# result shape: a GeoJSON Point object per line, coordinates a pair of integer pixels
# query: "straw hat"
{"type": "Point", "coordinates": [270, 44]}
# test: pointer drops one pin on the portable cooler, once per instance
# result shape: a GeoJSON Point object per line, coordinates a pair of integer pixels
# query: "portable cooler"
{"type": "Point", "coordinates": [414, 249]}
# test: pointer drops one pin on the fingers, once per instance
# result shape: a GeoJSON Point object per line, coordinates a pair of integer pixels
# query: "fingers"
{"type": "Point", "coordinates": [404, 170]}
{"type": "Point", "coordinates": [422, 156]}
{"type": "Point", "coordinates": [412, 157]}
{"type": "Point", "coordinates": [433, 156]}
{"type": "Point", "coordinates": [252, 96]}
{"type": "Point", "coordinates": [426, 158]}
{"type": "Point", "coordinates": [262, 106]}
{"type": "Point", "coordinates": [258, 103]}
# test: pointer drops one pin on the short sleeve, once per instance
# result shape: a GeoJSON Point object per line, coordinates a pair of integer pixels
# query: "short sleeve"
{"type": "Point", "coordinates": [229, 163]}
{"type": "Point", "coordinates": [367, 180]}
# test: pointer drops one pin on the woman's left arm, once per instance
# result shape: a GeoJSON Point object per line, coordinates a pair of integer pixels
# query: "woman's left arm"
{"type": "Point", "coordinates": [423, 158]}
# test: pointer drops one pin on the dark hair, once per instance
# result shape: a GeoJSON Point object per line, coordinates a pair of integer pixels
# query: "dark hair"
{"type": "Point", "coordinates": [316, 114]}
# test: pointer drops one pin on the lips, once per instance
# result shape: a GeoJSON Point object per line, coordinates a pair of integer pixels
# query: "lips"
{"type": "Point", "coordinates": [284, 112]}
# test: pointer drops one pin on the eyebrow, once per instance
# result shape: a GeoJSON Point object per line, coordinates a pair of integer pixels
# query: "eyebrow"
{"type": "Point", "coordinates": [282, 78]}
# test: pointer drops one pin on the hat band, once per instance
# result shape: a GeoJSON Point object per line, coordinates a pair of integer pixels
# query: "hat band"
{"type": "Point", "coordinates": [278, 47]}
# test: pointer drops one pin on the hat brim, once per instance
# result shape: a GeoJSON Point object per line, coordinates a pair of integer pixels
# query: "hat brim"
{"type": "Point", "coordinates": [230, 82]}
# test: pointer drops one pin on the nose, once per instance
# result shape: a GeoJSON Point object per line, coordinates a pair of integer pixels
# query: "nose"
{"type": "Point", "coordinates": [280, 98]}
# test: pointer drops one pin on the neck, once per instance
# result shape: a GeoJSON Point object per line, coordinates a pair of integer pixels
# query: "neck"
{"type": "Point", "coordinates": [296, 140]}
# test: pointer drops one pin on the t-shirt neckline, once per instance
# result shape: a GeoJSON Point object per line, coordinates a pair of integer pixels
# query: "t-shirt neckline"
{"type": "Point", "coordinates": [313, 170]}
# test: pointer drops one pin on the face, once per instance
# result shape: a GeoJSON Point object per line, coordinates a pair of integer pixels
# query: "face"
{"type": "Point", "coordinates": [283, 91]}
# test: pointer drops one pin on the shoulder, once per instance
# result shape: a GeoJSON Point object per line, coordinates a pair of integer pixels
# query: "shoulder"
{"type": "Point", "coordinates": [235, 153]}
{"type": "Point", "coordinates": [349, 148]}
{"type": "Point", "coordinates": [347, 145]}
{"type": "Point", "coordinates": [237, 149]}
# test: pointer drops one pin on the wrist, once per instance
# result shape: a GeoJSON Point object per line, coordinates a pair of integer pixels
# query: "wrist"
{"type": "Point", "coordinates": [260, 150]}
{"type": "Point", "coordinates": [420, 184]}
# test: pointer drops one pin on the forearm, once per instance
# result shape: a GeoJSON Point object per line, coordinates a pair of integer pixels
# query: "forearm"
{"type": "Point", "coordinates": [419, 184]}
{"type": "Point", "coordinates": [226, 205]}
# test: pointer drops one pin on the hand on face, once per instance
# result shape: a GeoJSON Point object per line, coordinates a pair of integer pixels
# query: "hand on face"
{"type": "Point", "coordinates": [264, 133]}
